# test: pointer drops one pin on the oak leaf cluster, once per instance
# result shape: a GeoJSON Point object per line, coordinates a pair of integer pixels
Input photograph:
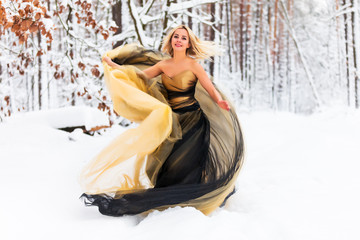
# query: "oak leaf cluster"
{"type": "Point", "coordinates": [23, 18]}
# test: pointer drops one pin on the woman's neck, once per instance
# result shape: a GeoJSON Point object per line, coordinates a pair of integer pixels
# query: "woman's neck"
{"type": "Point", "coordinates": [179, 56]}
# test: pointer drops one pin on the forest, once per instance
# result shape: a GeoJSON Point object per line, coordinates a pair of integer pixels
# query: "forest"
{"type": "Point", "coordinates": [282, 55]}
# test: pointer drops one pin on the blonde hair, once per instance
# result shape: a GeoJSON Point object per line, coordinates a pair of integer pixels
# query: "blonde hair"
{"type": "Point", "coordinates": [198, 49]}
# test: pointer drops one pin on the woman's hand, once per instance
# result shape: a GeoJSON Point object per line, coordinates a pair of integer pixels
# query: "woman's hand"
{"type": "Point", "coordinates": [106, 59]}
{"type": "Point", "coordinates": [224, 105]}
{"type": "Point", "coordinates": [110, 62]}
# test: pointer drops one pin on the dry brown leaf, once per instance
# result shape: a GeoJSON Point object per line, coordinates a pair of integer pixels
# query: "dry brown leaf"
{"type": "Point", "coordinates": [34, 27]}
{"type": "Point", "coordinates": [95, 72]}
{"type": "Point", "coordinates": [25, 24]}
{"type": "Point", "coordinates": [37, 16]}
{"type": "Point", "coordinates": [21, 12]}
{"type": "Point", "coordinates": [15, 27]}
{"type": "Point", "coordinates": [8, 24]}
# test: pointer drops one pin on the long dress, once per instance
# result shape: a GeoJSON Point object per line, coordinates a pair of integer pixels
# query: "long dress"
{"type": "Point", "coordinates": [185, 151]}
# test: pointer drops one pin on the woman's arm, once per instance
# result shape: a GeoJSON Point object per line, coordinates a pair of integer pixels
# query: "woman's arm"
{"type": "Point", "coordinates": [150, 72]}
{"type": "Point", "coordinates": [209, 87]}
{"type": "Point", "coordinates": [153, 71]}
{"type": "Point", "coordinates": [110, 62]}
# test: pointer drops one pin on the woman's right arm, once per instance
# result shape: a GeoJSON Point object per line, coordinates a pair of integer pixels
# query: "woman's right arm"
{"type": "Point", "coordinates": [150, 72]}
{"type": "Point", "coordinates": [110, 62]}
{"type": "Point", "coordinates": [153, 71]}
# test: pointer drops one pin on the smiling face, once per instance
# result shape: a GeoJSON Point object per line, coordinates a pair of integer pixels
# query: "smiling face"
{"type": "Point", "coordinates": [180, 40]}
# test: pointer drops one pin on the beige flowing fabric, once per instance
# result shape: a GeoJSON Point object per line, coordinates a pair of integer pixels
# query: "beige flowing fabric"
{"type": "Point", "coordinates": [185, 150]}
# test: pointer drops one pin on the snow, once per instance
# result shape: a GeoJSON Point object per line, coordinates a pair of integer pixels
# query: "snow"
{"type": "Point", "coordinates": [49, 24]}
{"type": "Point", "coordinates": [177, 7]}
{"type": "Point", "coordinates": [300, 181]}
{"type": "Point", "coordinates": [64, 117]}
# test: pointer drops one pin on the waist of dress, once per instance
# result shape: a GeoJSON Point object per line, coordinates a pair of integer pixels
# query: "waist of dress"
{"type": "Point", "coordinates": [193, 107]}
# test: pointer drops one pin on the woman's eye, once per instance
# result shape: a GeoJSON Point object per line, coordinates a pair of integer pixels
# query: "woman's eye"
{"type": "Point", "coordinates": [183, 38]}
{"type": "Point", "coordinates": [175, 36]}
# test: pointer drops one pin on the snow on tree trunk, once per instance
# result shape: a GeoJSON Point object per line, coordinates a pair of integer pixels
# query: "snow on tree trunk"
{"type": "Point", "coordinates": [356, 49]}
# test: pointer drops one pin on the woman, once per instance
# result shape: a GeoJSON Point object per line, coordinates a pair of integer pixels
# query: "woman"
{"type": "Point", "coordinates": [186, 151]}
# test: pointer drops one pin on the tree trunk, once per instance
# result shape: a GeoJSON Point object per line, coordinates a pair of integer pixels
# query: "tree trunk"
{"type": "Point", "coordinates": [190, 23]}
{"type": "Point", "coordinates": [69, 22]}
{"type": "Point", "coordinates": [39, 73]}
{"type": "Point", "coordinates": [241, 42]}
{"type": "Point", "coordinates": [165, 21]}
{"type": "Point", "coordinates": [117, 17]}
{"type": "Point", "coordinates": [228, 32]}
{"type": "Point", "coordinates": [356, 48]}
{"type": "Point", "coordinates": [347, 56]}
{"type": "Point", "coordinates": [274, 55]}
{"type": "Point", "coordinates": [212, 36]}
{"type": "Point", "coordinates": [288, 60]}
{"type": "Point", "coordinates": [248, 39]}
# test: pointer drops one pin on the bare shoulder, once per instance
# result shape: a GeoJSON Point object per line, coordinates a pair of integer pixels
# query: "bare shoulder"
{"type": "Point", "coordinates": [196, 67]}
{"type": "Point", "coordinates": [163, 64]}
{"type": "Point", "coordinates": [155, 70]}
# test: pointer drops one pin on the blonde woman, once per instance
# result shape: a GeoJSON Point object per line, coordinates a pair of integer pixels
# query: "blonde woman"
{"type": "Point", "coordinates": [188, 148]}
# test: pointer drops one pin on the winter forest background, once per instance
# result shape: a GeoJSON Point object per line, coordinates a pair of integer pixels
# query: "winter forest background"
{"type": "Point", "coordinates": [284, 55]}
{"type": "Point", "coordinates": [290, 66]}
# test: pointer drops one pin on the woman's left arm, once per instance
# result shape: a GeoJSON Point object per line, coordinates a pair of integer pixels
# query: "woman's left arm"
{"type": "Point", "coordinates": [209, 87]}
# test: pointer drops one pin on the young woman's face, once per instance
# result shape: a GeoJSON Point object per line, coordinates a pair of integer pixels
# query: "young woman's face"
{"type": "Point", "coordinates": [180, 40]}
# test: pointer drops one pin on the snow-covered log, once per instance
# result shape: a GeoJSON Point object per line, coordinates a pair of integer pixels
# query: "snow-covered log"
{"type": "Point", "coordinates": [67, 118]}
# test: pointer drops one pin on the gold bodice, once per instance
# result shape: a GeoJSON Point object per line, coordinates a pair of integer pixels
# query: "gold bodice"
{"type": "Point", "coordinates": [180, 88]}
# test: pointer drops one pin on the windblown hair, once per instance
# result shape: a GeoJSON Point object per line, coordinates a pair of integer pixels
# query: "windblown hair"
{"type": "Point", "coordinates": [198, 49]}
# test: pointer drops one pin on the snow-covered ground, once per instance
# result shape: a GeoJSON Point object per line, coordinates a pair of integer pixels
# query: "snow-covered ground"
{"type": "Point", "coordinates": [300, 181]}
